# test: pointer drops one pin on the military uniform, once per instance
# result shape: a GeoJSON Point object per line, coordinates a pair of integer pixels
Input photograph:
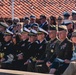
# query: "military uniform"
{"type": "Point", "coordinates": [1, 42]}
{"type": "Point", "coordinates": [34, 26]}
{"type": "Point", "coordinates": [32, 46]}
{"type": "Point", "coordinates": [65, 48]}
{"type": "Point", "coordinates": [50, 50]}
{"type": "Point", "coordinates": [68, 23]}
{"type": "Point", "coordinates": [26, 25]}
{"type": "Point", "coordinates": [71, 69]}
{"type": "Point", "coordinates": [48, 55]}
{"type": "Point", "coordinates": [20, 51]}
{"type": "Point", "coordinates": [1, 36]}
{"type": "Point", "coordinates": [70, 33]}
{"type": "Point", "coordinates": [8, 52]}
{"type": "Point", "coordinates": [32, 20]}
{"type": "Point", "coordinates": [64, 51]}
{"type": "Point", "coordinates": [7, 48]}
{"type": "Point", "coordinates": [40, 49]}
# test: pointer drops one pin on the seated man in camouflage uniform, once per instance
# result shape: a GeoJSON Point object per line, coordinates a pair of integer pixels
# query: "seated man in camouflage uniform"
{"type": "Point", "coordinates": [71, 69]}
{"type": "Point", "coordinates": [63, 52]}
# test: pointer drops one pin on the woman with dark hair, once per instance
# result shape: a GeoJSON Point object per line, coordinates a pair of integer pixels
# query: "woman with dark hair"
{"type": "Point", "coordinates": [52, 20]}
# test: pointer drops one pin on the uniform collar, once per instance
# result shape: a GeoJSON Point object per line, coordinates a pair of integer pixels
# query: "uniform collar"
{"type": "Point", "coordinates": [54, 40]}
{"type": "Point", "coordinates": [8, 42]}
{"type": "Point", "coordinates": [64, 41]}
{"type": "Point", "coordinates": [42, 41]}
{"type": "Point", "coordinates": [25, 40]}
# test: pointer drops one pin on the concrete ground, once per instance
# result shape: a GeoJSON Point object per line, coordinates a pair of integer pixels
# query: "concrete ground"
{"type": "Point", "coordinates": [14, 72]}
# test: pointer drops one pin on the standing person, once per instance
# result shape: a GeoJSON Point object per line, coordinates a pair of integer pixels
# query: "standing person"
{"type": "Point", "coordinates": [63, 52]}
{"type": "Point", "coordinates": [71, 69]}
{"type": "Point", "coordinates": [44, 23]}
{"type": "Point", "coordinates": [47, 57]}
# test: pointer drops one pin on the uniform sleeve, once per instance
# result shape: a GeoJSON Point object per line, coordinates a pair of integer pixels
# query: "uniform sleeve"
{"type": "Point", "coordinates": [68, 51]}
{"type": "Point", "coordinates": [43, 57]}
{"type": "Point", "coordinates": [54, 54]}
{"type": "Point", "coordinates": [47, 53]}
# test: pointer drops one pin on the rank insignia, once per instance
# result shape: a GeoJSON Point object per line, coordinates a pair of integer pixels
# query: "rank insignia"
{"type": "Point", "coordinates": [22, 45]}
{"type": "Point", "coordinates": [40, 47]}
{"type": "Point", "coordinates": [4, 47]}
{"type": "Point", "coordinates": [52, 50]}
{"type": "Point", "coordinates": [63, 46]}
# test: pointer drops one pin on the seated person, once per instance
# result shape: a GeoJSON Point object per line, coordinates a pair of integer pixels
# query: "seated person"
{"type": "Point", "coordinates": [71, 70]}
{"type": "Point", "coordinates": [63, 52]}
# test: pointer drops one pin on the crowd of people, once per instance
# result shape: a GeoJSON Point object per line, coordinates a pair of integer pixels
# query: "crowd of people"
{"type": "Point", "coordinates": [45, 47]}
